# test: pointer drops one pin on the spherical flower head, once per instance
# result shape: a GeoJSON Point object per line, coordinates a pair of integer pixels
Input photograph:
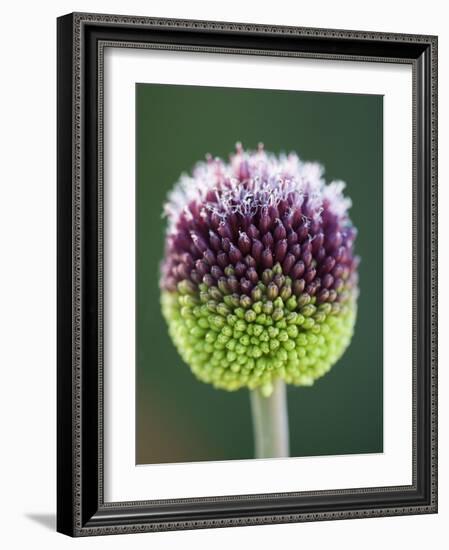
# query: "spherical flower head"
{"type": "Point", "coordinates": [259, 278]}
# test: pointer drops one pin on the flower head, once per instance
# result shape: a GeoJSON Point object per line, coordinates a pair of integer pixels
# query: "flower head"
{"type": "Point", "coordinates": [259, 279]}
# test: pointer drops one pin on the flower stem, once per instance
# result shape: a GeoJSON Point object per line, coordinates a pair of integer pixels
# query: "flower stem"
{"type": "Point", "coordinates": [270, 422]}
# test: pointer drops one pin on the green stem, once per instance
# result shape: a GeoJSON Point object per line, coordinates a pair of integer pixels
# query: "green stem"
{"type": "Point", "coordinates": [270, 422]}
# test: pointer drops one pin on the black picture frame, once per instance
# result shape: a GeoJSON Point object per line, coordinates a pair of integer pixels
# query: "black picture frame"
{"type": "Point", "coordinates": [81, 509]}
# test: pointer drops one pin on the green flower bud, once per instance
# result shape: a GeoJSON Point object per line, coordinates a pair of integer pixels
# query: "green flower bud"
{"type": "Point", "coordinates": [292, 339]}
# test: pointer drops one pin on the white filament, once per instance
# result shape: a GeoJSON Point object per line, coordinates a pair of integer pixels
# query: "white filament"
{"type": "Point", "coordinates": [270, 179]}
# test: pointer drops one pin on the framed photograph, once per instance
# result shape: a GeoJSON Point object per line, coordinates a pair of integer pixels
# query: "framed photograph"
{"type": "Point", "coordinates": [247, 292]}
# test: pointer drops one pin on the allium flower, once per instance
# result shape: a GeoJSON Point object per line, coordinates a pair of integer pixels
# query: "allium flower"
{"type": "Point", "coordinates": [259, 278]}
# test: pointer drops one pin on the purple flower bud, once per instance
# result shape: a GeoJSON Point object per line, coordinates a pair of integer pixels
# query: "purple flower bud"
{"type": "Point", "coordinates": [244, 243]}
{"type": "Point", "coordinates": [245, 286]}
{"type": "Point", "coordinates": [216, 272]}
{"type": "Point", "coordinates": [341, 254]}
{"type": "Point", "coordinates": [208, 280]}
{"type": "Point", "coordinates": [264, 223]}
{"type": "Point", "coordinates": [199, 242]}
{"type": "Point", "coordinates": [338, 284]}
{"type": "Point", "coordinates": [338, 271]}
{"type": "Point", "coordinates": [250, 261]}
{"type": "Point", "coordinates": [234, 254]}
{"type": "Point", "coordinates": [310, 274]}
{"type": "Point", "coordinates": [280, 250]}
{"type": "Point", "coordinates": [253, 232]}
{"type": "Point", "coordinates": [201, 267]}
{"type": "Point", "coordinates": [296, 250]}
{"type": "Point", "coordinates": [327, 265]}
{"type": "Point", "coordinates": [307, 258]}
{"type": "Point", "coordinates": [297, 270]}
{"type": "Point", "coordinates": [224, 230]}
{"type": "Point", "coordinates": [214, 240]}
{"type": "Point", "coordinates": [279, 232]}
{"type": "Point", "coordinates": [333, 241]}
{"type": "Point", "coordinates": [311, 288]}
{"type": "Point", "coordinates": [267, 240]}
{"type": "Point", "coordinates": [288, 263]}
{"type": "Point", "coordinates": [187, 259]}
{"type": "Point", "coordinates": [222, 259]}
{"type": "Point", "coordinates": [320, 254]}
{"type": "Point", "coordinates": [195, 276]}
{"type": "Point", "coordinates": [210, 257]}
{"type": "Point", "coordinates": [296, 217]}
{"type": "Point", "coordinates": [292, 238]}
{"type": "Point", "coordinates": [306, 248]}
{"type": "Point", "coordinates": [327, 280]}
{"type": "Point", "coordinates": [323, 296]}
{"type": "Point", "coordinates": [273, 212]}
{"type": "Point", "coordinates": [226, 244]}
{"type": "Point", "coordinates": [181, 241]}
{"type": "Point", "coordinates": [317, 242]}
{"type": "Point", "coordinates": [251, 273]}
{"type": "Point", "coordinates": [267, 258]}
{"type": "Point", "coordinates": [240, 269]}
{"type": "Point", "coordinates": [182, 271]}
{"type": "Point", "coordinates": [256, 250]}
{"type": "Point", "coordinates": [278, 279]}
{"type": "Point", "coordinates": [302, 232]}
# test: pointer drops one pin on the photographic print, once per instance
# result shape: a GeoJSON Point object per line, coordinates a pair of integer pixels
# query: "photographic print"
{"type": "Point", "coordinates": [259, 272]}
{"type": "Point", "coordinates": [247, 274]}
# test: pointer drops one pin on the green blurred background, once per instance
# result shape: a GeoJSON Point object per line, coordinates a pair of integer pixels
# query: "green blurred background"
{"type": "Point", "coordinates": [180, 419]}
